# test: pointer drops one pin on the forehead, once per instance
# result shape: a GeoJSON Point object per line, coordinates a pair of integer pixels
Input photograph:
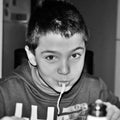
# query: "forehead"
{"type": "Point", "coordinates": [55, 41]}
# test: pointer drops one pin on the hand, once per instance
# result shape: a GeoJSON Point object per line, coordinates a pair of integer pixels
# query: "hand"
{"type": "Point", "coordinates": [11, 118]}
{"type": "Point", "coordinates": [113, 112]}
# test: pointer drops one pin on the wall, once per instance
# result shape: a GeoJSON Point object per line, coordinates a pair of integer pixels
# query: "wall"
{"type": "Point", "coordinates": [117, 65]}
{"type": "Point", "coordinates": [14, 37]}
{"type": "Point", "coordinates": [1, 40]}
{"type": "Point", "coordinates": [100, 16]}
{"type": "Point", "coordinates": [16, 15]}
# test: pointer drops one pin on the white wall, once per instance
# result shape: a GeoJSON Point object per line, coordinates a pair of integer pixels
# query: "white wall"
{"type": "Point", "coordinates": [1, 24]}
{"type": "Point", "coordinates": [117, 66]}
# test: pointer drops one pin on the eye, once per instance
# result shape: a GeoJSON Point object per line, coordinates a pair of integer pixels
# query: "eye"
{"type": "Point", "coordinates": [51, 58]}
{"type": "Point", "coordinates": [75, 56]}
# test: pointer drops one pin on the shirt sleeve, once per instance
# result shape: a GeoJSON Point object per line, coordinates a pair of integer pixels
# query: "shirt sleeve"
{"type": "Point", "coordinates": [1, 106]}
{"type": "Point", "coordinates": [107, 95]}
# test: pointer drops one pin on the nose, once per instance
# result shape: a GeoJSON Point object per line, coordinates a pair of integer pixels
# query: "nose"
{"type": "Point", "coordinates": [64, 68]}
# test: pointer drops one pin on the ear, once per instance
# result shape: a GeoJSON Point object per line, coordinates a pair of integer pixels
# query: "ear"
{"type": "Point", "coordinates": [30, 56]}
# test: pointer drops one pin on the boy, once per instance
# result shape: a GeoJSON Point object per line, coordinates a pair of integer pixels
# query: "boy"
{"type": "Point", "coordinates": [53, 86]}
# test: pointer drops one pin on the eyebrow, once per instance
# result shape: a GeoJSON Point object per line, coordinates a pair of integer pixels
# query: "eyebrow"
{"type": "Point", "coordinates": [52, 51]}
{"type": "Point", "coordinates": [49, 51]}
{"type": "Point", "coordinates": [81, 48]}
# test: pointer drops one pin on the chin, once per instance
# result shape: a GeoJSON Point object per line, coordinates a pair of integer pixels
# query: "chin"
{"type": "Point", "coordinates": [68, 88]}
{"type": "Point", "coordinates": [58, 89]}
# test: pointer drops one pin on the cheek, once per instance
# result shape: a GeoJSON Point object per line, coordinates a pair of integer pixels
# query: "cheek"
{"type": "Point", "coordinates": [76, 71]}
{"type": "Point", "coordinates": [78, 67]}
{"type": "Point", "coordinates": [46, 69]}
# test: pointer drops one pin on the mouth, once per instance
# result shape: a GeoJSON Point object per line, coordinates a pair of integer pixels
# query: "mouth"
{"type": "Point", "coordinates": [60, 83]}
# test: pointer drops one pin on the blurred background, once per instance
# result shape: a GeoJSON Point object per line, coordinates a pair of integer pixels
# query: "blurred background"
{"type": "Point", "coordinates": [102, 18]}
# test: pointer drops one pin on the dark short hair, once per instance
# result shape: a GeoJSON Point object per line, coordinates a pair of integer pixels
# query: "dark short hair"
{"type": "Point", "coordinates": [54, 16]}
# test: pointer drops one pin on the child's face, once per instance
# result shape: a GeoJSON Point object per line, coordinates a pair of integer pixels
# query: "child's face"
{"type": "Point", "coordinates": [60, 60]}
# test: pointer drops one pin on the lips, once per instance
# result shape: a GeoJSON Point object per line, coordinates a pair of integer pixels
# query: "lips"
{"type": "Point", "coordinates": [63, 82]}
